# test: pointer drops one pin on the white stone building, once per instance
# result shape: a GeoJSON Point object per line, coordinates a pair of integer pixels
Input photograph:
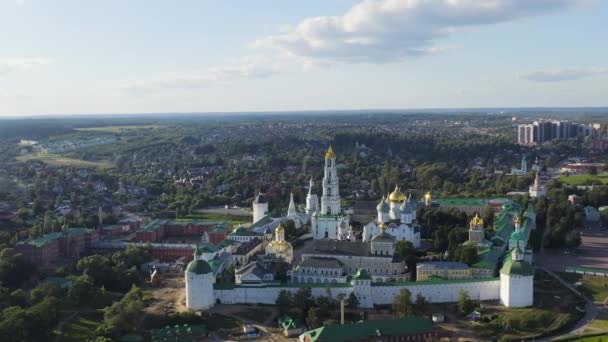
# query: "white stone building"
{"type": "Point", "coordinates": [517, 281]}
{"type": "Point", "coordinates": [537, 190]}
{"type": "Point", "coordinates": [328, 222]}
{"type": "Point", "coordinates": [398, 214]}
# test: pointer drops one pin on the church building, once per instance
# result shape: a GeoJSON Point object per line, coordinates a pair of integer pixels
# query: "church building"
{"type": "Point", "coordinates": [328, 222]}
{"type": "Point", "coordinates": [398, 214]}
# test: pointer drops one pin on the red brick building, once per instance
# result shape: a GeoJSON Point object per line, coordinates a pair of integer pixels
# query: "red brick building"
{"type": "Point", "coordinates": [45, 250]}
{"type": "Point", "coordinates": [158, 230]}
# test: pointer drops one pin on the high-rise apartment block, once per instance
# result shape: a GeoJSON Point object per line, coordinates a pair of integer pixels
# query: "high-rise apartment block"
{"type": "Point", "coordinates": [540, 131]}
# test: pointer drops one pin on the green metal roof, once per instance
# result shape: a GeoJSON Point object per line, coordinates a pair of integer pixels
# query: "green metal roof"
{"type": "Point", "coordinates": [363, 330]}
{"type": "Point", "coordinates": [361, 275]}
{"type": "Point", "coordinates": [172, 333]}
{"type": "Point", "coordinates": [462, 202]}
{"type": "Point", "coordinates": [517, 267]}
{"type": "Point", "coordinates": [286, 322]}
{"type": "Point", "coordinates": [199, 267]}
{"type": "Point", "coordinates": [50, 237]}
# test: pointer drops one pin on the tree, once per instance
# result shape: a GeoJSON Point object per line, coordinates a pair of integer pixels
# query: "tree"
{"type": "Point", "coordinates": [402, 304]}
{"type": "Point", "coordinates": [407, 252]}
{"type": "Point", "coordinates": [98, 267]}
{"type": "Point", "coordinates": [312, 318]}
{"type": "Point", "coordinates": [122, 316]}
{"type": "Point", "coordinates": [284, 301]}
{"type": "Point", "coordinates": [465, 304]}
{"type": "Point", "coordinates": [467, 253]}
{"type": "Point", "coordinates": [352, 301]}
{"type": "Point", "coordinates": [303, 298]}
{"type": "Point", "coordinates": [420, 304]}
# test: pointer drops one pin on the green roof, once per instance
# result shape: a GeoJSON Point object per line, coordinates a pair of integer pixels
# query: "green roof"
{"type": "Point", "coordinates": [462, 202]}
{"type": "Point", "coordinates": [50, 237]}
{"type": "Point", "coordinates": [286, 322]}
{"type": "Point", "coordinates": [519, 235]}
{"type": "Point", "coordinates": [242, 231]}
{"type": "Point", "coordinates": [362, 330]}
{"type": "Point", "coordinates": [156, 224]}
{"type": "Point", "coordinates": [586, 269]}
{"type": "Point", "coordinates": [361, 274]}
{"type": "Point", "coordinates": [172, 333]}
{"type": "Point", "coordinates": [199, 267]}
{"type": "Point", "coordinates": [517, 267]}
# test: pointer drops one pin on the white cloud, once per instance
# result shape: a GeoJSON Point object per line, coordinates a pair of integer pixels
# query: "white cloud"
{"type": "Point", "coordinates": [565, 74]}
{"type": "Point", "coordinates": [379, 31]}
{"type": "Point", "coordinates": [13, 64]}
{"type": "Point", "coordinates": [246, 67]}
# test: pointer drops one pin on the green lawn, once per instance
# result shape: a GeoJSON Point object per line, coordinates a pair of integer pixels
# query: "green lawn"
{"type": "Point", "coordinates": [595, 287]}
{"type": "Point", "coordinates": [217, 321]}
{"type": "Point", "coordinates": [584, 179]}
{"type": "Point", "coordinates": [600, 322]}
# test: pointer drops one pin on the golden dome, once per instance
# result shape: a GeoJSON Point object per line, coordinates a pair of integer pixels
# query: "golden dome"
{"type": "Point", "coordinates": [396, 195]}
{"type": "Point", "coordinates": [330, 153]}
{"type": "Point", "coordinates": [518, 220]}
{"type": "Point", "coordinates": [427, 195]}
{"type": "Point", "coordinates": [383, 227]}
{"type": "Point", "coordinates": [280, 229]}
{"type": "Point", "coordinates": [477, 221]}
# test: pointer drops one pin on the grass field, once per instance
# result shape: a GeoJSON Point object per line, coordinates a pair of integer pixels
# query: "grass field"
{"type": "Point", "coordinates": [117, 129]}
{"type": "Point", "coordinates": [594, 287]}
{"type": "Point", "coordinates": [584, 179]}
{"type": "Point", "coordinates": [59, 160]}
{"type": "Point", "coordinates": [600, 322]}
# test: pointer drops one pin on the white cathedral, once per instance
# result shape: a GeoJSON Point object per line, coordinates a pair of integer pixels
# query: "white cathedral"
{"type": "Point", "coordinates": [397, 215]}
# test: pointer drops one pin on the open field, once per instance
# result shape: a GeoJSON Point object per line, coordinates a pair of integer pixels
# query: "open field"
{"type": "Point", "coordinates": [592, 253]}
{"type": "Point", "coordinates": [59, 160]}
{"type": "Point", "coordinates": [117, 129]}
{"type": "Point", "coordinates": [584, 179]}
{"type": "Point", "coordinates": [594, 287]}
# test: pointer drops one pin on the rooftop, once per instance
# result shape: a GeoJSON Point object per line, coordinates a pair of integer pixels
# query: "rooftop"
{"type": "Point", "coordinates": [442, 265]}
{"type": "Point", "coordinates": [360, 330]}
{"type": "Point", "coordinates": [320, 262]}
{"type": "Point", "coordinates": [462, 202]}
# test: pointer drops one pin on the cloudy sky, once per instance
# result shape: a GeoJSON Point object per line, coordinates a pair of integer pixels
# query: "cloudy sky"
{"type": "Point", "coordinates": [116, 56]}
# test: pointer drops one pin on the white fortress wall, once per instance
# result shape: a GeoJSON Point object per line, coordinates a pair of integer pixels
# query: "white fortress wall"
{"type": "Point", "coordinates": [381, 294]}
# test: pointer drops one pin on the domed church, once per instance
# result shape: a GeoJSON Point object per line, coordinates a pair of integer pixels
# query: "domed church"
{"type": "Point", "coordinates": [398, 213]}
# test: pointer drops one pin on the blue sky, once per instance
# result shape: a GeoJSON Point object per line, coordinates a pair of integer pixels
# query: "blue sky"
{"type": "Point", "coordinates": [93, 56]}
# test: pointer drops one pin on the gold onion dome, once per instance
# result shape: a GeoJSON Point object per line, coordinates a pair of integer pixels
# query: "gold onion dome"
{"type": "Point", "coordinates": [330, 153]}
{"type": "Point", "coordinates": [477, 221]}
{"type": "Point", "coordinates": [397, 195]}
{"type": "Point", "coordinates": [383, 227]}
{"type": "Point", "coordinates": [518, 220]}
{"type": "Point", "coordinates": [281, 229]}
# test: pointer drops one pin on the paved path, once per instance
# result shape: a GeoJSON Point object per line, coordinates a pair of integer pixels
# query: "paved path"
{"type": "Point", "coordinates": [591, 309]}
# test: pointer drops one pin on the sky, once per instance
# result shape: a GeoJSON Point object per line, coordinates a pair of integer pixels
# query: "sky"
{"type": "Point", "coordinates": [140, 56]}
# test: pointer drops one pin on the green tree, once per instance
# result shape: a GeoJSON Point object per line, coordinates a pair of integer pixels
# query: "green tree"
{"type": "Point", "coordinates": [467, 253]}
{"type": "Point", "coordinates": [284, 301]}
{"type": "Point", "coordinates": [420, 304]}
{"type": "Point", "coordinates": [303, 298]}
{"type": "Point", "coordinates": [352, 301]}
{"type": "Point", "coordinates": [465, 304]}
{"type": "Point", "coordinates": [407, 252]}
{"type": "Point", "coordinates": [312, 318]}
{"type": "Point", "coordinates": [402, 304]}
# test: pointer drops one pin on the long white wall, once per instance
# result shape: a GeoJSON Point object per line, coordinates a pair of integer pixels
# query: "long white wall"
{"type": "Point", "coordinates": [435, 293]}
